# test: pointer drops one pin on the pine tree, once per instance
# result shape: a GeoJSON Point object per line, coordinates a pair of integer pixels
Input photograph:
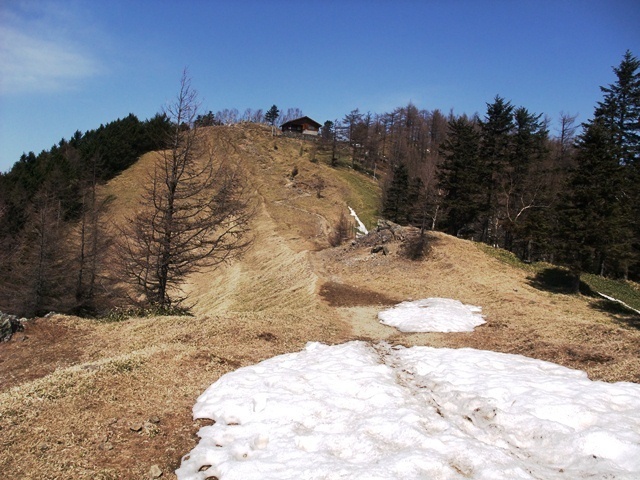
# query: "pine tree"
{"type": "Point", "coordinates": [619, 111]}
{"type": "Point", "coordinates": [495, 152]}
{"type": "Point", "coordinates": [396, 198]}
{"type": "Point", "coordinates": [523, 182]}
{"type": "Point", "coordinates": [461, 178]}
{"type": "Point", "coordinates": [416, 202]}
{"type": "Point", "coordinates": [272, 115]}
{"type": "Point", "coordinates": [327, 131]}
{"type": "Point", "coordinates": [594, 232]}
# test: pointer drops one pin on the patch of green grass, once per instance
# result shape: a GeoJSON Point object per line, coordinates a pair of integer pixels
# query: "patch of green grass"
{"type": "Point", "coordinates": [618, 289]}
{"type": "Point", "coordinates": [364, 196]}
{"type": "Point", "coordinates": [511, 258]}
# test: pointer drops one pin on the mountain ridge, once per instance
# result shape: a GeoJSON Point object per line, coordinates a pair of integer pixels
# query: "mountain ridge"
{"type": "Point", "coordinates": [87, 399]}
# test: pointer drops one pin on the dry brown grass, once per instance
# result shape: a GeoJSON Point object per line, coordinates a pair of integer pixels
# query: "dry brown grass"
{"type": "Point", "coordinates": [125, 404]}
{"type": "Point", "coordinates": [565, 329]}
{"type": "Point", "coordinates": [81, 399]}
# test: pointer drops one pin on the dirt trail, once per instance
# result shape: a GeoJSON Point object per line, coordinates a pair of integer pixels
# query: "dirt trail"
{"type": "Point", "coordinates": [274, 274]}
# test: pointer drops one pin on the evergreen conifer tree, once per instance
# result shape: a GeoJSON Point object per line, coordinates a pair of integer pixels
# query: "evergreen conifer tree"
{"type": "Point", "coordinates": [272, 115]}
{"type": "Point", "coordinates": [461, 178]}
{"type": "Point", "coordinates": [619, 111]}
{"type": "Point", "coordinates": [396, 201]}
{"type": "Point", "coordinates": [599, 224]}
{"type": "Point", "coordinates": [594, 231]}
{"type": "Point", "coordinates": [495, 132]}
{"type": "Point", "coordinates": [523, 188]}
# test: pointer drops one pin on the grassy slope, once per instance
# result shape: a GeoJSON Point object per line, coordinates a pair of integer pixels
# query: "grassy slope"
{"type": "Point", "coordinates": [80, 399]}
{"type": "Point", "coordinates": [558, 278]}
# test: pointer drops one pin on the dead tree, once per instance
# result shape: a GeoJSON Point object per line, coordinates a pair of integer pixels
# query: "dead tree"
{"type": "Point", "coordinates": [92, 242]}
{"type": "Point", "coordinates": [194, 212]}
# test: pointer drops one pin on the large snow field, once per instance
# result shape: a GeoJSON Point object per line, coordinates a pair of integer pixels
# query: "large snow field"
{"type": "Point", "coordinates": [361, 411]}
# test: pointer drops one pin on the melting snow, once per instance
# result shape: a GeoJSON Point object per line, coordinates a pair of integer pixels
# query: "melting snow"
{"type": "Point", "coordinates": [432, 315]}
{"type": "Point", "coordinates": [611, 299]}
{"type": "Point", "coordinates": [356, 411]}
{"type": "Point", "coordinates": [362, 230]}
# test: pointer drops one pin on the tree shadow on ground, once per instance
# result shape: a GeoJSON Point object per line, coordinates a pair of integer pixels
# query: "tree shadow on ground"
{"type": "Point", "coordinates": [620, 313]}
{"type": "Point", "coordinates": [341, 295]}
{"type": "Point", "coordinates": [558, 280]}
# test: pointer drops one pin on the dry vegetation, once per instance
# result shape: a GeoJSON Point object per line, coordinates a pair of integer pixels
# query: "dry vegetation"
{"type": "Point", "coordinates": [83, 399]}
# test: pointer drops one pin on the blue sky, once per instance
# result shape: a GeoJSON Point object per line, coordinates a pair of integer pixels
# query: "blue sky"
{"type": "Point", "coordinates": [71, 65]}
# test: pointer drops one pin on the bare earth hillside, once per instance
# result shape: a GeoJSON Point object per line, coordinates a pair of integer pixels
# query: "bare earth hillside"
{"type": "Point", "coordinates": [83, 399]}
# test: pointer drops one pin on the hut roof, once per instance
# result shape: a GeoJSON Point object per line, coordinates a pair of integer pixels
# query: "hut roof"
{"type": "Point", "coordinates": [301, 121]}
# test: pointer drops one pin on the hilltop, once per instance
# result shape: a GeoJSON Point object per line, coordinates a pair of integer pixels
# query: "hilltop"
{"type": "Point", "coordinates": [86, 399]}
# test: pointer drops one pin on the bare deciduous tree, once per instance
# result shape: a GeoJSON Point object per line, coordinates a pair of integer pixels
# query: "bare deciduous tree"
{"type": "Point", "coordinates": [194, 214]}
{"type": "Point", "coordinates": [566, 138]}
{"type": "Point", "coordinates": [39, 278]}
{"type": "Point", "coordinates": [92, 239]}
{"type": "Point", "coordinates": [291, 114]}
{"type": "Point", "coordinates": [227, 116]}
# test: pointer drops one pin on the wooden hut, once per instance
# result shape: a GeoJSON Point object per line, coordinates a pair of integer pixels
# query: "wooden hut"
{"type": "Point", "coordinates": [302, 125]}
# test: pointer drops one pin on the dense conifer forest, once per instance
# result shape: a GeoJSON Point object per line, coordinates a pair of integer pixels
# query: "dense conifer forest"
{"type": "Point", "coordinates": [501, 177]}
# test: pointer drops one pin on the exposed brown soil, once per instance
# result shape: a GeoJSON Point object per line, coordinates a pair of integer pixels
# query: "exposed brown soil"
{"type": "Point", "coordinates": [341, 295]}
{"type": "Point", "coordinates": [86, 400]}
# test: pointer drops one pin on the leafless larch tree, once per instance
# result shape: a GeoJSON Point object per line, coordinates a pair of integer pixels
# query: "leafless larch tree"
{"type": "Point", "coordinates": [194, 211]}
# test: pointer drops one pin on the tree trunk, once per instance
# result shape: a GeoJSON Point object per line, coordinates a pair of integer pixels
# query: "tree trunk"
{"type": "Point", "coordinates": [575, 281]}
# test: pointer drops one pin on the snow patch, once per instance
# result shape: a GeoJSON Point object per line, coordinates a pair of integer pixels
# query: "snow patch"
{"type": "Point", "coordinates": [362, 230]}
{"type": "Point", "coordinates": [358, 411]}
{"type": "Point", "coordinates": [617, 301]}
{"type": "Point", "coordinates": [432, 315]}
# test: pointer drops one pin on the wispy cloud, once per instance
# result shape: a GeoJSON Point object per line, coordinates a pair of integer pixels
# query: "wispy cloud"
{"type": "Point", "coordinates": [37, 55]}
{"type": "Point", "coordinates": [387, 101]}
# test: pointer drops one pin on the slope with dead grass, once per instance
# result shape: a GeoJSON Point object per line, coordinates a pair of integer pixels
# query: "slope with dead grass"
{"type": "Point", "coordinates": [566, 329]}
{"type": "Point", "coordinates": [81, 399]}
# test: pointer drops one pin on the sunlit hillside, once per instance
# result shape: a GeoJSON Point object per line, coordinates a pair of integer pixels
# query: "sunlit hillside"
{"type": "Point", "coordinates": [90, 399]}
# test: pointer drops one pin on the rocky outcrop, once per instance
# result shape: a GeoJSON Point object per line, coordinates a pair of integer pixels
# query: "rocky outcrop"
{"type": "Point", "coordinates": [9, 324]}
{"type": "Point", "coordinates": [385, 232]}
{"type": "Point", "coordinates": [380, 248]}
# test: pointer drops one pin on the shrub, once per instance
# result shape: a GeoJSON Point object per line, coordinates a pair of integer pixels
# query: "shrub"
{"type": "Point", "coordinates": [341, 232]}
{"type": "Point", "coordinates": [415, 247]}
{"type": "Point", "coordinates": [120, 314]}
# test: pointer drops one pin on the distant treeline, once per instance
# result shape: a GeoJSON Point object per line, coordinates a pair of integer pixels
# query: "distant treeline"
{"type": "Point", "coordinates": [503, 179]}
{"type": "Point", "coordinates": [95, 156]}
{"type": "Point", "coordinates": [51, 230]}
